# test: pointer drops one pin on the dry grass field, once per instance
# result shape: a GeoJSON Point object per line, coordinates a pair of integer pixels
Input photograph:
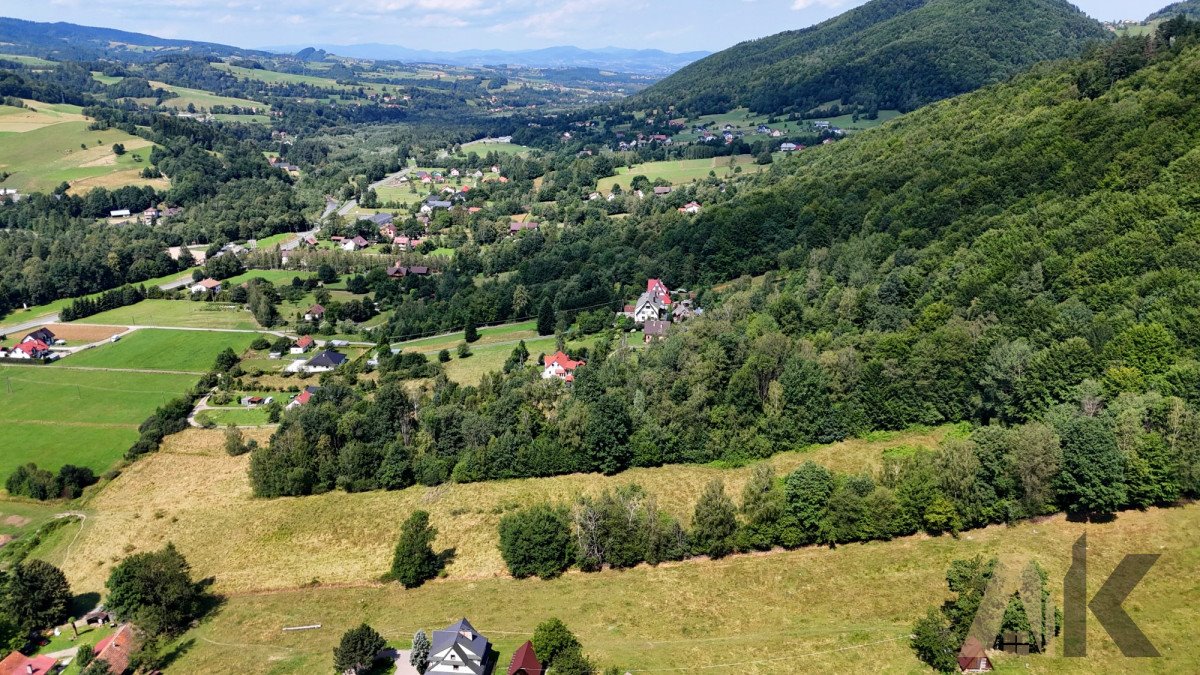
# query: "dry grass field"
{"type": "Point", "coordinates": [195, 495]}
{"type": "Point", "coordinates": [844, 610]}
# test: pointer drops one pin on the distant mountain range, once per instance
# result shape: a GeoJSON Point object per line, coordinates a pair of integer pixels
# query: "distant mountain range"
{"type": "Point", "coordinates": [886, 54]}
{"type": "Point", "coordinates": [641, 61]}
{"type": "Point", "coordinates": [1189, 8]}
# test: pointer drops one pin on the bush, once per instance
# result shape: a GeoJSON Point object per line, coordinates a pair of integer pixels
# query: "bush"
{"type": "Point", "coordinates": [30, 481]}
{"type": "Point", "coordinates": [537, 541]}
{"type": "Point", "coordinates": [358, 649]}
{"type": "Point", "coordinates": [444, 356]}
{"type": "Point", "coordinates": [415, 562]}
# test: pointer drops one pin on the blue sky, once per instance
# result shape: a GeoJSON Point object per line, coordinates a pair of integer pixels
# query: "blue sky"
{"type": "Point", "coordinates": [672, 25]}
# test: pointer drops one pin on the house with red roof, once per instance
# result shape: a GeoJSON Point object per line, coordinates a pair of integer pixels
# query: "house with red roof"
{"type": "Point", "coordinates": [117, 649]}
{"type": "Point", "coordinates": [690, 207]}
{"type": "Point", "coordinates": [206, 286]}
{"type": "Point", "coordinates": [17, 663]}
{"type": "Point", "coordinates": [525, 661]}
{"type": "Point", "coordinates": [561, 366]}
{"type": "Point", "coordinates": [30, 349]}
{"type": "Point", "coordinates": [405, 243]}
{"type": "Point", "coordinates": [302, 345]}
{"type": "Point", "coordinates": [304, 397]}
{"type": "Point", "coordinates": [972, 658]}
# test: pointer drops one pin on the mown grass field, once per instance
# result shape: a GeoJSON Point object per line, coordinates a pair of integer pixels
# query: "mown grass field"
{"type": "Point", "coordinates": [483, 149]}
{"type": "Point", "coordinates": [155, 349]}
{"type": "Point", "coordinates": [177, 314]}
{"type": "Point", "coordinates": [46, 151]}
{"type": "Point", "coordinates": [55, 416]}
{"type": "Point", "coordinates": [680, 172]}
{"type": "Point", "coordinates": [201, 99]}
{"type": "Point", "coordinates": [847, 609]}
{"type": "Point", "coordinates": [236, 416]}
{"type": "Point", "coordinates": [52, 308]}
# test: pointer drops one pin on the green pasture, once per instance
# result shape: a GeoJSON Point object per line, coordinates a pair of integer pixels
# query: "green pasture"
{"type": "Point", "coordinates": [42, 158]}
{"type": "Point", "coordinates": [155, 349]}
{"type": "Point", "coordinates": [680, 172]}
{"type": "Point", "coordinates": [55, 416]}
{"type": "Point", "coordinates": [178, 314]}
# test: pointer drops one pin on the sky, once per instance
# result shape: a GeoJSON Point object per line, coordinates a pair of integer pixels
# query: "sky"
{"type": "Point", "coordinates": [452, 25]}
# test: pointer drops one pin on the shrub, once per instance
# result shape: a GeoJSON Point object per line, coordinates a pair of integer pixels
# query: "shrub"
{"type": "Point", "coordinates": [536, 541]}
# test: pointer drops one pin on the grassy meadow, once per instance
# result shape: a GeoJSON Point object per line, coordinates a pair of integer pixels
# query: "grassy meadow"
{"type": "Point", "coordinates": [680, 172]}
{"type": "Point", "coordinates": [155, 349]}
{"type": "Point", "coordinates": [178, 314]}
{"type": "Point", "coordinates": [206, 508]}
{"type": "Point", "coordinates": [50, 309]}
{"type": "Point", "coordinates": [201, 99]}
{"type": "Point", "coordinates": [309, 560]}
{"type": "Point", "coordinates": [55, 416]}
{"type": "Point", "coordinates": [51, 144]}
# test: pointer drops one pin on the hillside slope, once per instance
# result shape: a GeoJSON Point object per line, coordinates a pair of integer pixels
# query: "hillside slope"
{"type": "Point", "coordinates": [1188, 8]}
{"type": "Point", "coordinates": [63, 40]}
{"type": "Point", "coordinates": [889, 54]}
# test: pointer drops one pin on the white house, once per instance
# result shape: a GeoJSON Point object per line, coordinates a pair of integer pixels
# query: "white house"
{"type": "Point", "coordinates": [458, 649]}
{"type": "Point", "coordinates": [560, 366]}
{"type": "Point", "coordinates": [206, 285]}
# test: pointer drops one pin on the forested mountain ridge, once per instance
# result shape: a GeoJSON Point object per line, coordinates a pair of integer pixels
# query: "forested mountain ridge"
{"type": "Point", "coordinates": [1188, 8]}
{"type": "Point", "coordinates": [887, 54]}
{"type": "Point", "coordinates": [63, 40]}
{"type": "Point", "coordinates": [1026, 254]}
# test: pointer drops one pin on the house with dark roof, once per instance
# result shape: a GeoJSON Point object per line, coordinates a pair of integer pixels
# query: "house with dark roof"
{"type": "Point", "coordinates": [525, 661]}
{"type": "Point", "coordinates": [459, 649]}
{"type": "Point", "coordinates": [379, 219]}
{"type": "Point", "coordinates": [972, 658]}
{"type": "Point", "coordinates": [325, 361]}
{"type": "Point", "coordinates": [43, 334]}
{"type": "Point", "coordinates": [514, 228]}
{"type": "Point", "coordinates": [655, 330]}
{"type": "Point", "coordinates": [314, 313]}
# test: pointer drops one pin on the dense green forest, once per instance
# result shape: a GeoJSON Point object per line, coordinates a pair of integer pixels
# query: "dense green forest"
{"type": "Point", "coordinates": [1187, 8]}
{"type": "Point", "coordinates": [887, 54]}
{"type": "Point", "coordinates": [1024, 254]}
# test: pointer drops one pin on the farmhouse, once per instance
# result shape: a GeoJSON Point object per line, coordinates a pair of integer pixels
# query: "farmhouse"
{"type": "Point", "coordinates": [43, 334]}
{"type": "Point", "coordinates": [150, 215]}
{"type": "Point", "coordinates": [119, 213]}
{"type": "Point", "coordinates": [405, 243]}
{"type": "Point", "coordinates": [789, 147]}
{"type": "Point", "coordinates": [314, 313]}
{"type": "Point", "coordinates": [655, 330]}
{"type": "Point", "coordinates": [690, 207]}
{"type": "Point", "coordinates": [514, 228]}
{"type": "Point", "coordinates": [302, 345]}
{"type": "Point", "coordinates": [400, 271]}
{"type": "Point", "coordinates": [33, 349]}
{"type": "Point", "coordinates": [525, 662]}
{"type": "Point", "coordinates": [303, 397]}
{"type": "Point", "coordinates": [662, 190]}
{"type": "Point", "coordinates": [388, 231]}
{"type": "Point", "coordinates": [206, 286]}
{"type": "Point", "coordinates": [654, 304]}
{"type": "Point", "coordinates": [460, 649]}
{"type": "Point", "coordinates": [324, 362]}
{"type": "Point", "coordinates": [355, 244]}
{"type": "Point", "coordinates": [562, 367]}
{"type": "Point", "coordinates": [117, 649]}
{"type": "Point", "coordinates": [17, 663]}
{"type": "Point", "coordinates": [379, 219]}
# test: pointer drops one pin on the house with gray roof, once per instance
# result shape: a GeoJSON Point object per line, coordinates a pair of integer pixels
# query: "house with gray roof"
{"type": "Point", "coordinates": [459, 648]}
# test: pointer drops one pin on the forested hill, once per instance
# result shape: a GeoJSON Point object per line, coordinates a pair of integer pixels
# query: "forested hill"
{"type": "Point", "coordinates": [887, 54]}
{"type": "Point", "coordinates": [65, 41]}
{"type": "Point", "coordinates": [1188, 8]}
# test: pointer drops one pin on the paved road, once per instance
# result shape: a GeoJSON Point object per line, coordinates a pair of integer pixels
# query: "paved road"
{"type": "Point", "coordinates": [350, 204]}
{"type": "Point", "coordinates": [331, 205]}
{"type": "Point", "coordinates": [399, 174]}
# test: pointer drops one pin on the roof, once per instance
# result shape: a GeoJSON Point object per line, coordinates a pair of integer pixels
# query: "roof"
{"type": "Point", "coordinates": [525, 661]}
{"type": "Point", "coordinates": [315, 309]}
{"type": "Point", "coordinates": [460, 633]}
{"type": "Point", "coordinates": [564, 361]}
{"type": "Point", "coordinates": [304, 341]}
{"type": "Point", "coordinates": [43, 334]}
{"type": "Point", "coordinates": [657, 328]}
{"type": "Point", "coordinates": [32, 347]}
{"type": "Point", "coordinates": [209, 283]}
{"type": "Point", "coordinates": [327, 358]}
{"type": "Point", "coordinates": [972, 649]}
{"type": "Point", "coordinates": [17, 663]}
{"type": "Point", "coordinates": [117, 648]}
